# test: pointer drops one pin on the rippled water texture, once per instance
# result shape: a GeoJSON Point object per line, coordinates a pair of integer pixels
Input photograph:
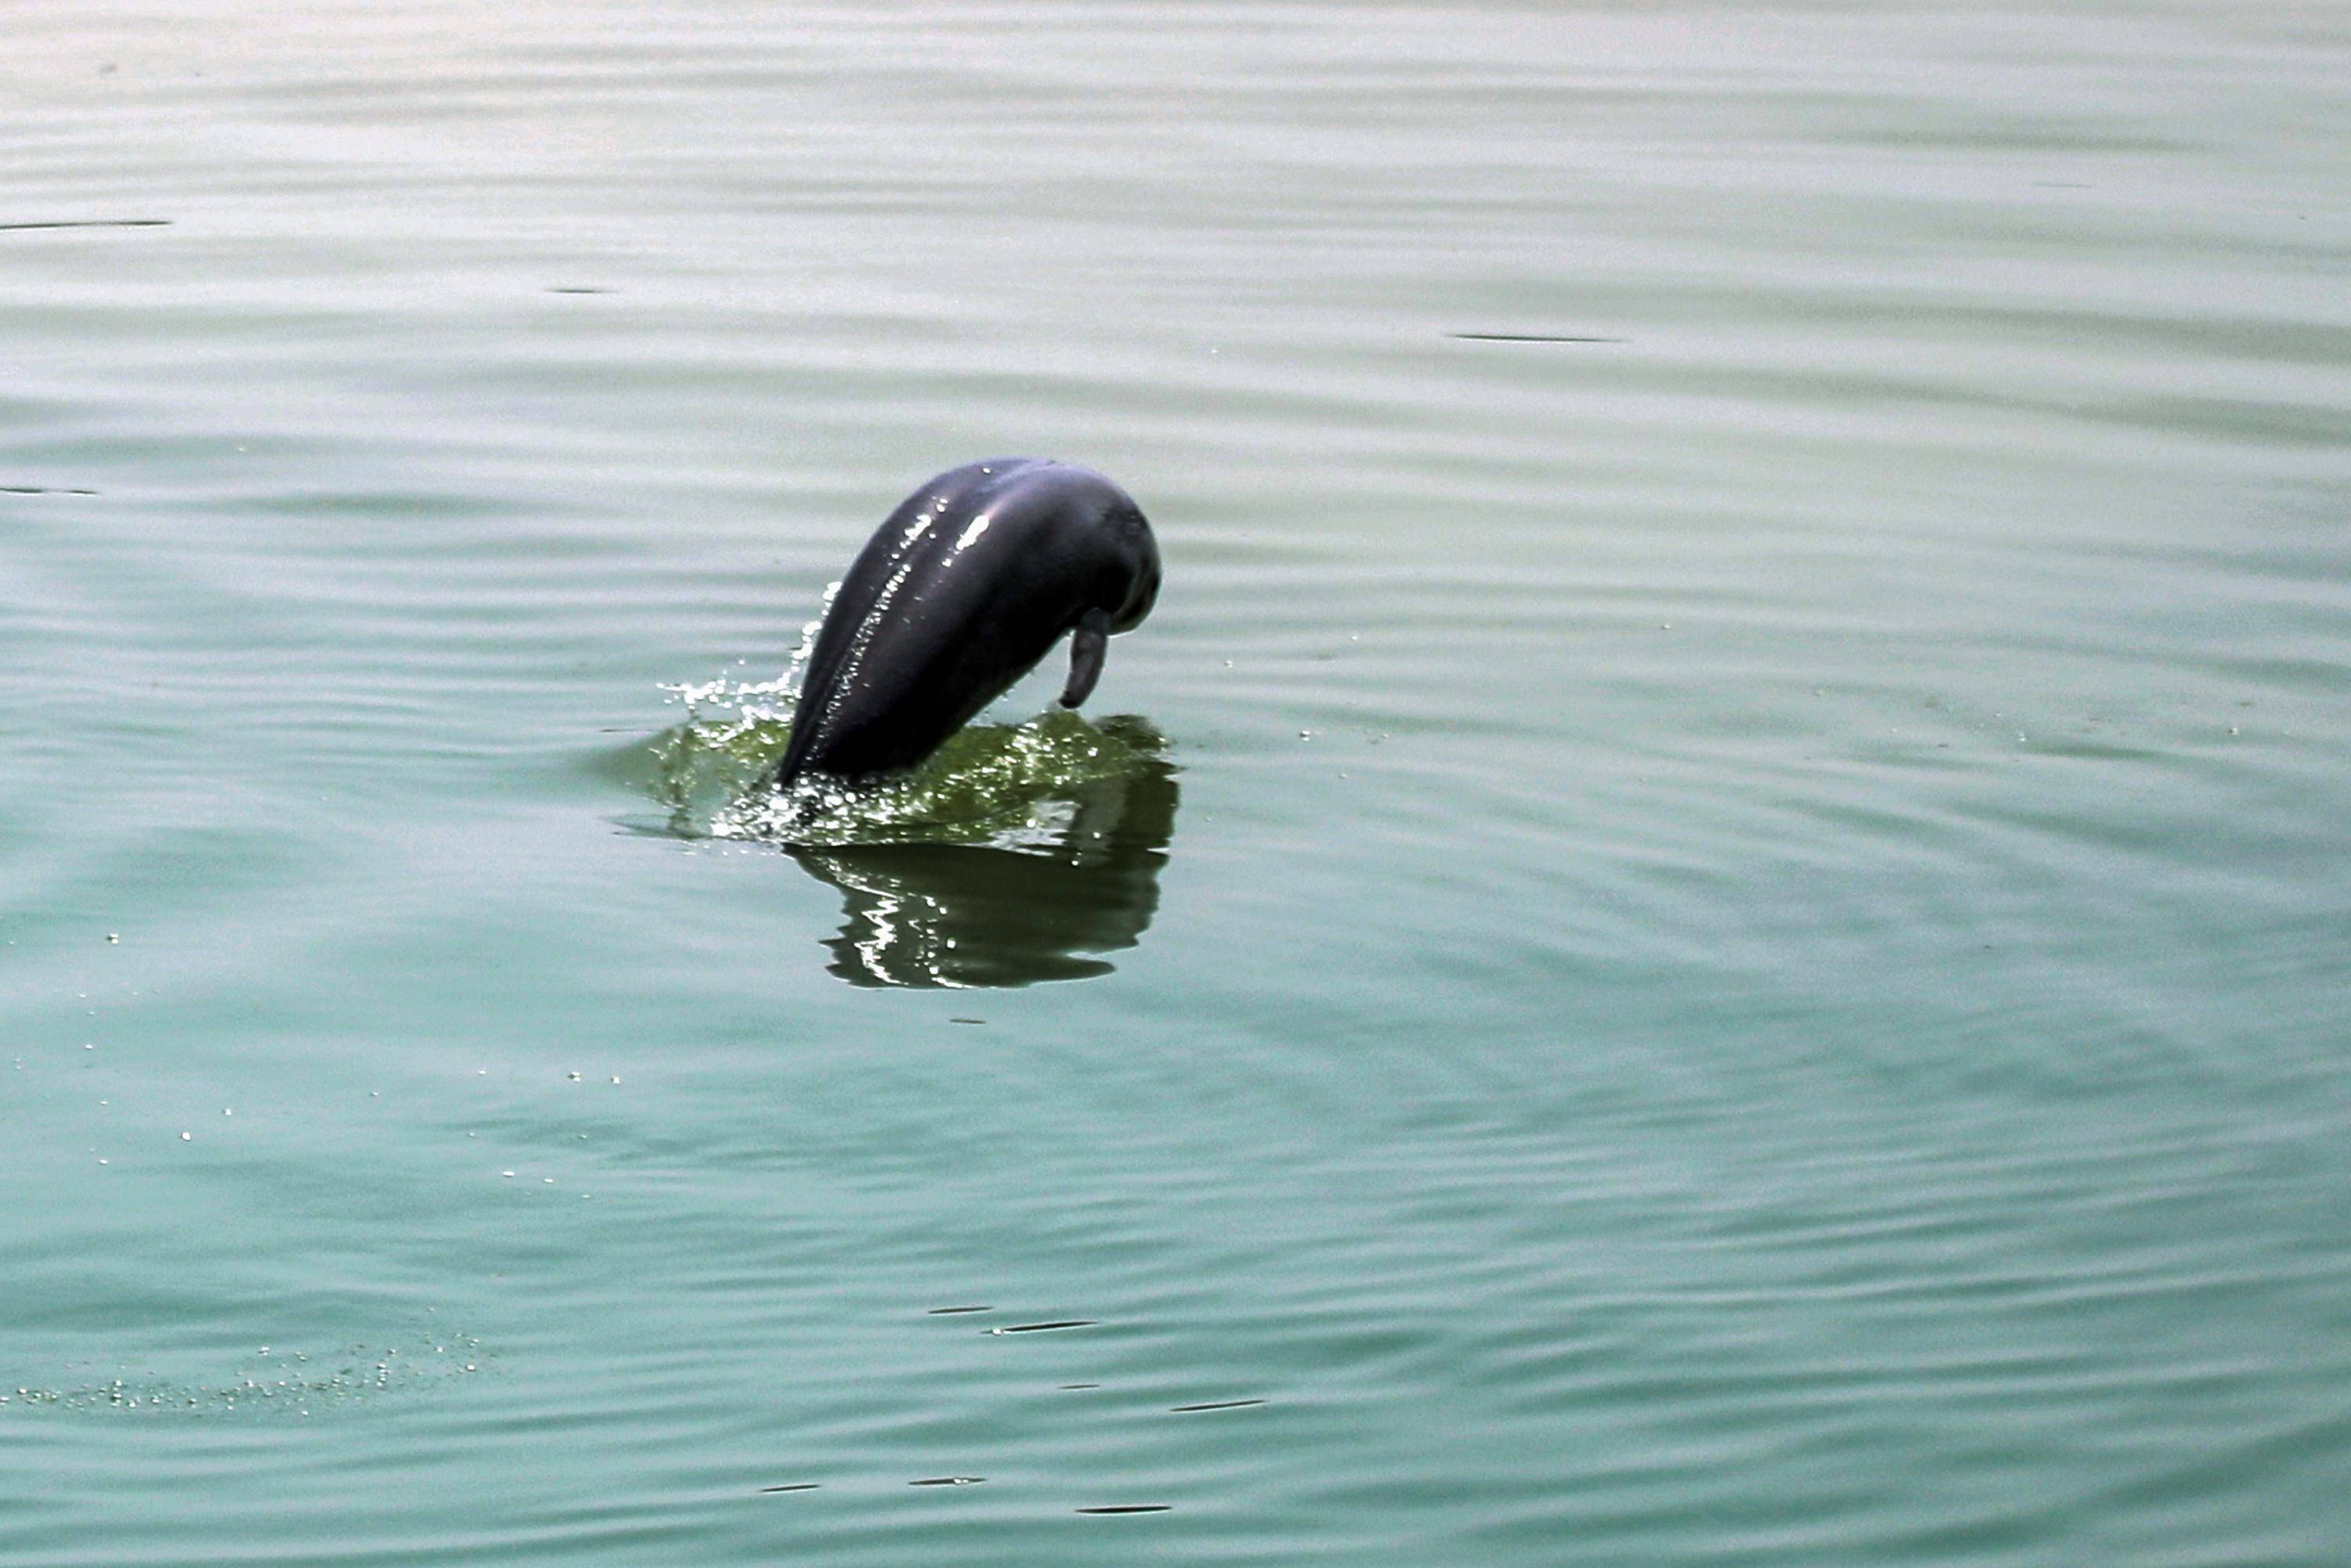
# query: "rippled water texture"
{"type": "Point", "coordinates": [1707, 926]}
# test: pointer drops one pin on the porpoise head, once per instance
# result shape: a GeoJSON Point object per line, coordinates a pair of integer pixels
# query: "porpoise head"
{"type": "Point", "coordinates": [962, 591]}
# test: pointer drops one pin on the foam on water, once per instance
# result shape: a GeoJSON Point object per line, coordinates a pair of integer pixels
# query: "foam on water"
{"type": "Point", "coordinates": [283, 1380]}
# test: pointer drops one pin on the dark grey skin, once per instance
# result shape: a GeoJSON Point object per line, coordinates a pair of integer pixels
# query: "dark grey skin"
{"type": "Point", "coordinates": [967, 585]}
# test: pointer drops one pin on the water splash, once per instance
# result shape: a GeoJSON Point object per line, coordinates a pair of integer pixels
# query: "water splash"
{"type": "Point", "coordinates": [1010, 786]}
{"type": "Point", "coordinates": [1017, 854]}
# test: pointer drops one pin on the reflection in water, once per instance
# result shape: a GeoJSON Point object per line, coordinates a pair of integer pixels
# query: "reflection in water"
{"type": "Point", "coordinates": [974, 915]}
{"type": "Point", "coordinates": [1019, 852]}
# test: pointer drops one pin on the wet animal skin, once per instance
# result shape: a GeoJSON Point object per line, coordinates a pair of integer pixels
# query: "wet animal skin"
{"type": "Point", "coordinates": [964, 588]}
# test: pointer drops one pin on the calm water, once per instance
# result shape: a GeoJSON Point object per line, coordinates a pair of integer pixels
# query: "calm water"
{"type": "Point", "coordinates": [1723, 942]}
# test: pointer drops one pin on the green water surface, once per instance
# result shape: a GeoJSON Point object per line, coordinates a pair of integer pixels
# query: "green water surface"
{"type": "Point", "coordinates": [1709, 926]}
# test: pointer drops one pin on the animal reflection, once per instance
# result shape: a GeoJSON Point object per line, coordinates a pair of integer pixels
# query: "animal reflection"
{"type": "Point", "coordinates": [971, 915]}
